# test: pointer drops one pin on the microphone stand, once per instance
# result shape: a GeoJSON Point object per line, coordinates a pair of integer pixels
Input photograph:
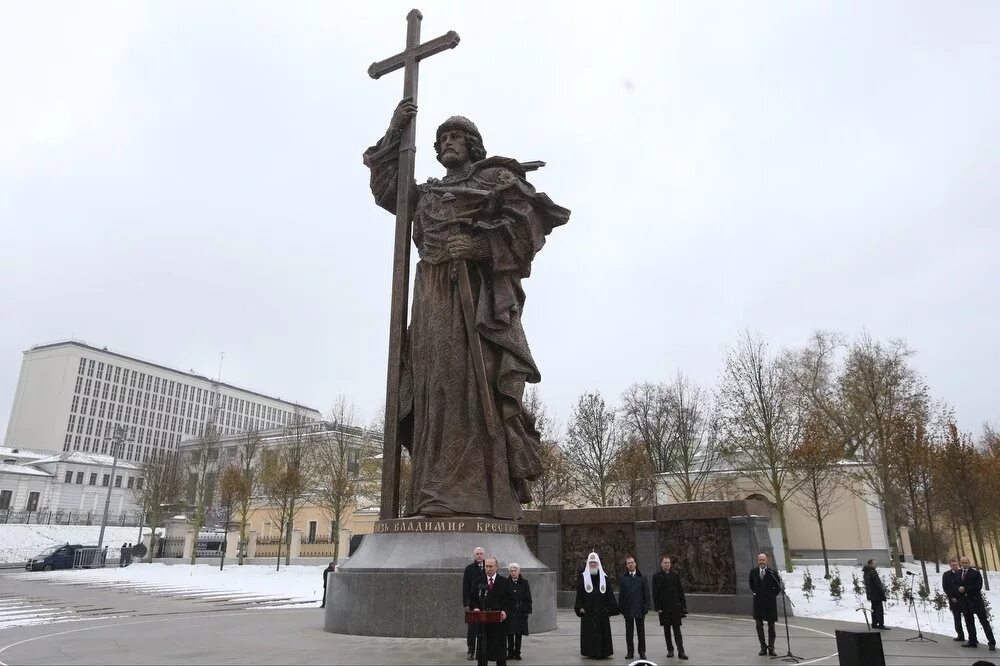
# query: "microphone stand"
{"type": "Point", "coordinates": [913, 606]}
{"type": "Point", "coordinates": [788, 656]}
{"type": "Point", "coordinates": [481, 655]}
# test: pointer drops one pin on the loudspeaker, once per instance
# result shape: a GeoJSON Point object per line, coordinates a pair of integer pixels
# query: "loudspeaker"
{"type": "Point", "coordinates": [860, 648]}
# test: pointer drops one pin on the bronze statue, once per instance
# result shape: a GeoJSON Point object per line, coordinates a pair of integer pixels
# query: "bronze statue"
{"type": "Point", "coordinates": [466, 359]}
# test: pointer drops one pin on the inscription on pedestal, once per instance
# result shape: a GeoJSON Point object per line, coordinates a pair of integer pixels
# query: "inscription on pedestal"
{"type": "Point", "coordinates": [447, 525]}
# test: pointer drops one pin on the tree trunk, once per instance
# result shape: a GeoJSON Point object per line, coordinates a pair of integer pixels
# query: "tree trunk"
{"type": "Point", "coordinates": [931, 536]}
{"type": "Point", "coordinates": [243, 539]}
{"type": "Point", "coordinates": [336, 541]}
{"type": "Point", "coordinates": [890, 528]}
{"type": "Point", "coordinates": [278, 567]}
{"type": "Point", "coordinates": [958, 542]}
{"type": "Point", "coordinates": [288, 542]}
{"type": "Point", "coordinates": [983, 567]}
{"type": "Point", "coordinates": [822, 543]}
{"type": "Point", "coordinates": [780, 506]}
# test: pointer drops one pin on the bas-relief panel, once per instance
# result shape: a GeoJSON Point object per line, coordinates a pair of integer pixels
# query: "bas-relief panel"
{"type": "Point", "coordinates": [702, 553]}
{"type": "Point", "coordinates": [613, 542]}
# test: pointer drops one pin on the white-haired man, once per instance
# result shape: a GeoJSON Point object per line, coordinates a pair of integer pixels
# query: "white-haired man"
{"type": "Point", "coordinates": [595, 604]}
{"type": "Point", "coordinates": [473, 576]}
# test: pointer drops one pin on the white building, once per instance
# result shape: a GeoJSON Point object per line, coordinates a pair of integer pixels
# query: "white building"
{"type": "Point", "coordinates": [70, 396]}
{"type": "Point", "coordinates": [70, 486]}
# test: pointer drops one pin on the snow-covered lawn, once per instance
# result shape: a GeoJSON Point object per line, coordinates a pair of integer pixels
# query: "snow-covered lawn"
{"type": "Point", "coordinates": [295, 583]}
{"type": "Point", "coordinates": [897, 612]}
{"type": "Point", "coordinates": [19, 542]}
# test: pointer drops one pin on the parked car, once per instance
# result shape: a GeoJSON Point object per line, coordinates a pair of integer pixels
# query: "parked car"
{"type": "Point", "coordinates": [56, 557]}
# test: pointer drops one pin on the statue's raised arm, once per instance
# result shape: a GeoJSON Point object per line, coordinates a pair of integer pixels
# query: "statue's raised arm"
{"type": "Point", "coordinates": [383, 159]}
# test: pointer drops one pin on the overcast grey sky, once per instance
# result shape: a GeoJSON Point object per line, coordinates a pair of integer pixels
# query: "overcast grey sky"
{"type": "Point", "coordinates": [179, 179]}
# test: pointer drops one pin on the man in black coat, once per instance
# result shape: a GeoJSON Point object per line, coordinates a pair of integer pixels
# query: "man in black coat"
{"type": "Point", "coordinates": [766, 586]}
{"type": "Point", "coordinates": [494, 594]}
{"type": "Point", "coordinates": [875, 591]}
{"type": "Point", "coordinates": [474, 573]}
{"type": "Point", "coordinates": [670, 605]}
{"type": "Point", "coordinates": [326, 572]}
{"type": "Point", "coordinates": [970, 589]}
{"type": "Point", "coordinates": [633, 600]}
{"type": "Point", "coordinates": [950, 582]}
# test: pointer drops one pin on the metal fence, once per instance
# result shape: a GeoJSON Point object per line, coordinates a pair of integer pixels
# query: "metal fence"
{"type": "Point", "coordinates": [64, 517]}
{"type": "Point", "coordinates": [207, 545]}
{"type": "Point", "coordinates": [94, 558]}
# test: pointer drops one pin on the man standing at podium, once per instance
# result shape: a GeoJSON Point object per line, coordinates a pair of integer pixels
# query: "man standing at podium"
{"type": "Point", "coordinates": [474, 575]}
{"type": "Point", "coordinates": [494, 594]}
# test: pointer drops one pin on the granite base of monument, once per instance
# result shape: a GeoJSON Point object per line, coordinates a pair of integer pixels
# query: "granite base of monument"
{"type": "Point", "coordinates": [405, 580]}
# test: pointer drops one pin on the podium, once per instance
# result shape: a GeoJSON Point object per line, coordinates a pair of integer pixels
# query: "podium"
{"type": "Point", "coordinates": [483, 617]}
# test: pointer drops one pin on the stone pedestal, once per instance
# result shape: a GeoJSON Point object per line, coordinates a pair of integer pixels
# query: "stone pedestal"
{"type": "Point", "coordinates": [405, 580]}
{"type": "Point", "coordinates": [295, 544]}
{"type": "Point", "coordinates": [189, 544]}
{"type": "Point", "coordinates": [232, 545]}
{"type": "Point", "coordinates": [251, 545]}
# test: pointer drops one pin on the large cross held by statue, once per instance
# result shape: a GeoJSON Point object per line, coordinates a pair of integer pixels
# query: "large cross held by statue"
{"type": "Point", "coordinates": [407, 60]}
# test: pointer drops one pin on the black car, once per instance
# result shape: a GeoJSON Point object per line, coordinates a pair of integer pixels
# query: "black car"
{"type": "Point", "coordinates": [56, 557]}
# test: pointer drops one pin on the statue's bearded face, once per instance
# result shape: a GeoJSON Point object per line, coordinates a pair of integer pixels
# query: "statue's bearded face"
{"type": "Point", "coordinates": [454, 148]}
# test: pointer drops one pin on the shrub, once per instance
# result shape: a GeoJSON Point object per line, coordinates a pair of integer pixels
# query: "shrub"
{"type": "Point", "coordinates": [807, 585]}
{"type": "Point", "coordinates": [858, 590]}
{"type": "Point", "coordinates": [836, 587]}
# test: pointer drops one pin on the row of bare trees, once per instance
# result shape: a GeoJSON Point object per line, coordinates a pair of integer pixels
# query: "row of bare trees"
{"type": "Point", "coordinates": [330, 464]}
{"type": "Point", "coordinates": [813, 426]}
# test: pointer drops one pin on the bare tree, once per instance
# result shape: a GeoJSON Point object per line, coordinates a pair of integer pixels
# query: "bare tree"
{"type": "Point", "coordinates": [341, 474]}
{"type": "Point", "coordinates": [693, 443]}
{"type": "Point", "coordinates": [760, 424]}
{"type": "Point", "coordinates": [286, 480]}
{"type": "Point", "coordinates": [879, 392]}
{"type": "Point", "coordinates": [594, 439]}
{"type": "Point", "coordinates": [162, 483]}
{"type": "Point", "coordinates": [817, 464]}
{"type": "Point", "coordinates": [646, 415]}
{"type": "Point", "coordinates": [248, 463]}
{"type": "Point", "coordinates": [231, 488]}
{"type": "Point", "coordinates": [632, 473]}
{"type": "Point", "coordinates": [203, 472]}
{"type": "Point", "coordinates": [555, 484]}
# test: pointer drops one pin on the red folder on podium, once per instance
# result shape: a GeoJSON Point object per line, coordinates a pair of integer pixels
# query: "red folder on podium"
{"type": "Point", "coordinates": [483, 617]}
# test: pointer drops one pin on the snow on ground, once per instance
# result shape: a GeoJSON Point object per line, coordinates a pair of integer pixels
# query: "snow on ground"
{"type": "Point", "coordinates": [897, 612]}
{"type": "Point", "coordinates": [294, 583]}
{"type": "Point", "coordinates": [19, 542]}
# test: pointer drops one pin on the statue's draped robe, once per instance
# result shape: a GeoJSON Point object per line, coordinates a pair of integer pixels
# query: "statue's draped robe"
{"type": "Point", "coordinates": [457, 467]}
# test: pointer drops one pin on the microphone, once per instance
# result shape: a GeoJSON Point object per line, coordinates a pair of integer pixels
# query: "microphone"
{"type": "Point", "coordinates": [910, 573]}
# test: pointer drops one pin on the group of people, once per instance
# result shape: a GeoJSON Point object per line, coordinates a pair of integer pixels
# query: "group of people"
{"type": "Point", "coordinates": [483, 589]}
{"type": "Point", "coordinates": [963, 585]}
{"type": "Point", "coordinates": [595, 604]}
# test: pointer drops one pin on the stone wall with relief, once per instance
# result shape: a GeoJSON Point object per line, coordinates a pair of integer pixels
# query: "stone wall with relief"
{"type": "Point", "coordinates": [702, 553]}
{"type": "Point", "coordinates": [698, 536]}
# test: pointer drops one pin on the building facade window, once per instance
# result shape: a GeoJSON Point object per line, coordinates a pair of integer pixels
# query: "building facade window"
{"type": "Point", "coordinates": [105, 480]}
{"type": "Point", "coordinates": [69, 477]}
{"type": "Point", "coordinates": [5, 497]}
{"type": "Point", "coordinates": [93, 479]}
{"type": "Point", "coordinates": [32, 504]}
{"type": "Point", "coordinates": [79, 478]}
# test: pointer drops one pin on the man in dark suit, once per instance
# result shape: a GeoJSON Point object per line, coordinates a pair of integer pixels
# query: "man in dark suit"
{"type": "Point", "coordinates": [950, 582]}
{"type": "Point", "coordinates": [633, 600]}
{"type": "Point", "coordinates": [875, 592]}
{"type": "Point", "coordinates": [670, 605]}
{"type": "Point", "coordinates": [494, 594]}
{"type": "Point", "coordinates": [970, 589]}
{"type": "Point", "coordinates": [474, 573]}
{"type": "Point", "coordinates": [766, 586]}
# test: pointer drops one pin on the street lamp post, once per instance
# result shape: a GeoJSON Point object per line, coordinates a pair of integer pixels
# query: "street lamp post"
{"type": "Point", "coordinates": [115, 443]}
